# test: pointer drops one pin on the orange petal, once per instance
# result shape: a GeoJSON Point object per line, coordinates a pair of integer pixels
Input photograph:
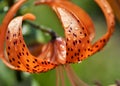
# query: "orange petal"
{"type": "Point", "coordinates": [107, 10]}
{"type": "Point", "coordinates": [78, 12]}
{"type": "Point", "coordinates": [17, 51]}
{"type": "Point", "coordinates": [115, 4]}
{"type": "Point", "coordinates": [55, 51]}
{"type": "Point", "coordinates": [78, 31]}
{"type": "Point", "coordinates": [3, 28]}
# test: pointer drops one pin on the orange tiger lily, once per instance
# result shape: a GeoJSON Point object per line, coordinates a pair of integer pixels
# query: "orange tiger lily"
{"type": "Point", "coordinates": [79, 33]}
{"type": "Point", "coordinates": [76, 46]}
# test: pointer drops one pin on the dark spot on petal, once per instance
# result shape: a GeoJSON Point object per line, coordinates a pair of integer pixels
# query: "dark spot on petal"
{"type": "Point", "coordinates": [79, 41]}
{"type": "Point", "coordinates": [85, 34]}
{"type": "Point", "coordinates": [20, 41]}
{"type": "Point", "coordinates": [96, 46]}
{"type": "Point", "coordinates": [10, 60]}
{"type": "Point", "coordinates": [19, 62]}
{"type": "Point", "coordinates": [15, 42]}
{"type": "Point", "coordinates": [14, 35]}
{"type": "Point", "coordinates": [27, 60]}
{"type": "Point", "coordinates": [69, 31]}
{"type": "Point", "coordinates": [66, 44]}
{"type": "Point", "coordinates": [35, 66]}
{"type": "Point", "coordinates": [8, 31]}
{"type": "Point", "coordinates": [76, 41]}
{"type": "Point", "coordinates": [8, 53]}
{"type": "Point", "coordinates": [82, 55]}
{"type": "Point", "coordinates": [71, 49]}
{"type": "Point", "coordinates": [78, 59]}
{"type": "Point", "coordinates": [48, 62]}
{"type": "Point", "coordinates": [67, 53]}
{"type": "Point", "coordinates": [83, 28]}
{"type": "Point", "coordinates": [33, 61]}
{"type": "Point", "coordinates": [80, 32]}
{"type": "Point", "coordinates": [23, 53]}
{"type": "Point", "coordinates": [27, 53]}
{"type": "Point", "coordinates": [13, 59]}
{"type": "Point", "coordinates": [22, 49]}
{"type": "Point", "coordinates": [71, 57]}
{"type": "Point", "coordinates": [28, 68]}
{"type": "Point", "coordinates": [18, 66]}
{"type": "Point", "coordinates": [36, 60]}
{"type": "Point", "coordinates": [67, 39]}
{"type": "Point", "coordinates": [66, 61]}
{"type": "Point", "coordinates": [73, 43]}
{"type": "Point", "coordinates": [42, 62]}
{"type": "Point", "coordinates": [70, 28]}
{"type": "Point", "coordinates": [78, 50]}
{"type": "Point", "coordinates": [75, 54]}
{"type": "Point", "coordinates": [27, 65]}
{"type": "Point", "coordinates": [88, 55]}
{"type": "Point", "coordinates": [23, 45]}
{"type": "Point", "coordinates": [68, 49]}
{"type": "Point", "coordinates": [104, 40]}
{"type": "Point", "coordinates": [89, 49]}
{"type": "Point", "coordinates": [7, 37]}
{"type": "Point", "coordinates": [45, 63]}
{"type": "Point", "coordinates": [8, 47]}
{"type": "Point", "coordinates": [74, 35]}
{"type": "Point", "coordinates": [88, 41]}
{"type": "Point", "coordinates": [18, 56]}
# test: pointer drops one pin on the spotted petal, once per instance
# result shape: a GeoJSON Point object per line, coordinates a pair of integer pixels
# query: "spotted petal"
{"type": "Point", "coordinates": [78, 13]}
{"type": "Point", "coordinates": [3, 28]}
{"type": "Point", "coordinates": [107, 10]}
{"type": "Point", "coordinates": [17, 51]}
{"type": "Point", "coordinates": [78, 31]}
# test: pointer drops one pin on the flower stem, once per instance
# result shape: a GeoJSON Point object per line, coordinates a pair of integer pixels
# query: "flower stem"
{"type": "Point", "coordinates": [43, 29]}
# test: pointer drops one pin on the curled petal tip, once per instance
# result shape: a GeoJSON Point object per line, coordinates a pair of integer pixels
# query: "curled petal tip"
{"type": "Point", "coordinates": [37, 2]}
{"type": "Point", "coordinates": [29, 16]}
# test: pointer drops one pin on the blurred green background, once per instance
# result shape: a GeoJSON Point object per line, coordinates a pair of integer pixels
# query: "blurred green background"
{"type": "Point", "coordinates": [102, 67]}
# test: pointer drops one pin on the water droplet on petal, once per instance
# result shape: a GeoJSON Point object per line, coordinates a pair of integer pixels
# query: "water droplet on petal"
{"type": "Point", "coordinates": [76, 28]}
{"type": "Point", "coordinates": [62, 46]}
